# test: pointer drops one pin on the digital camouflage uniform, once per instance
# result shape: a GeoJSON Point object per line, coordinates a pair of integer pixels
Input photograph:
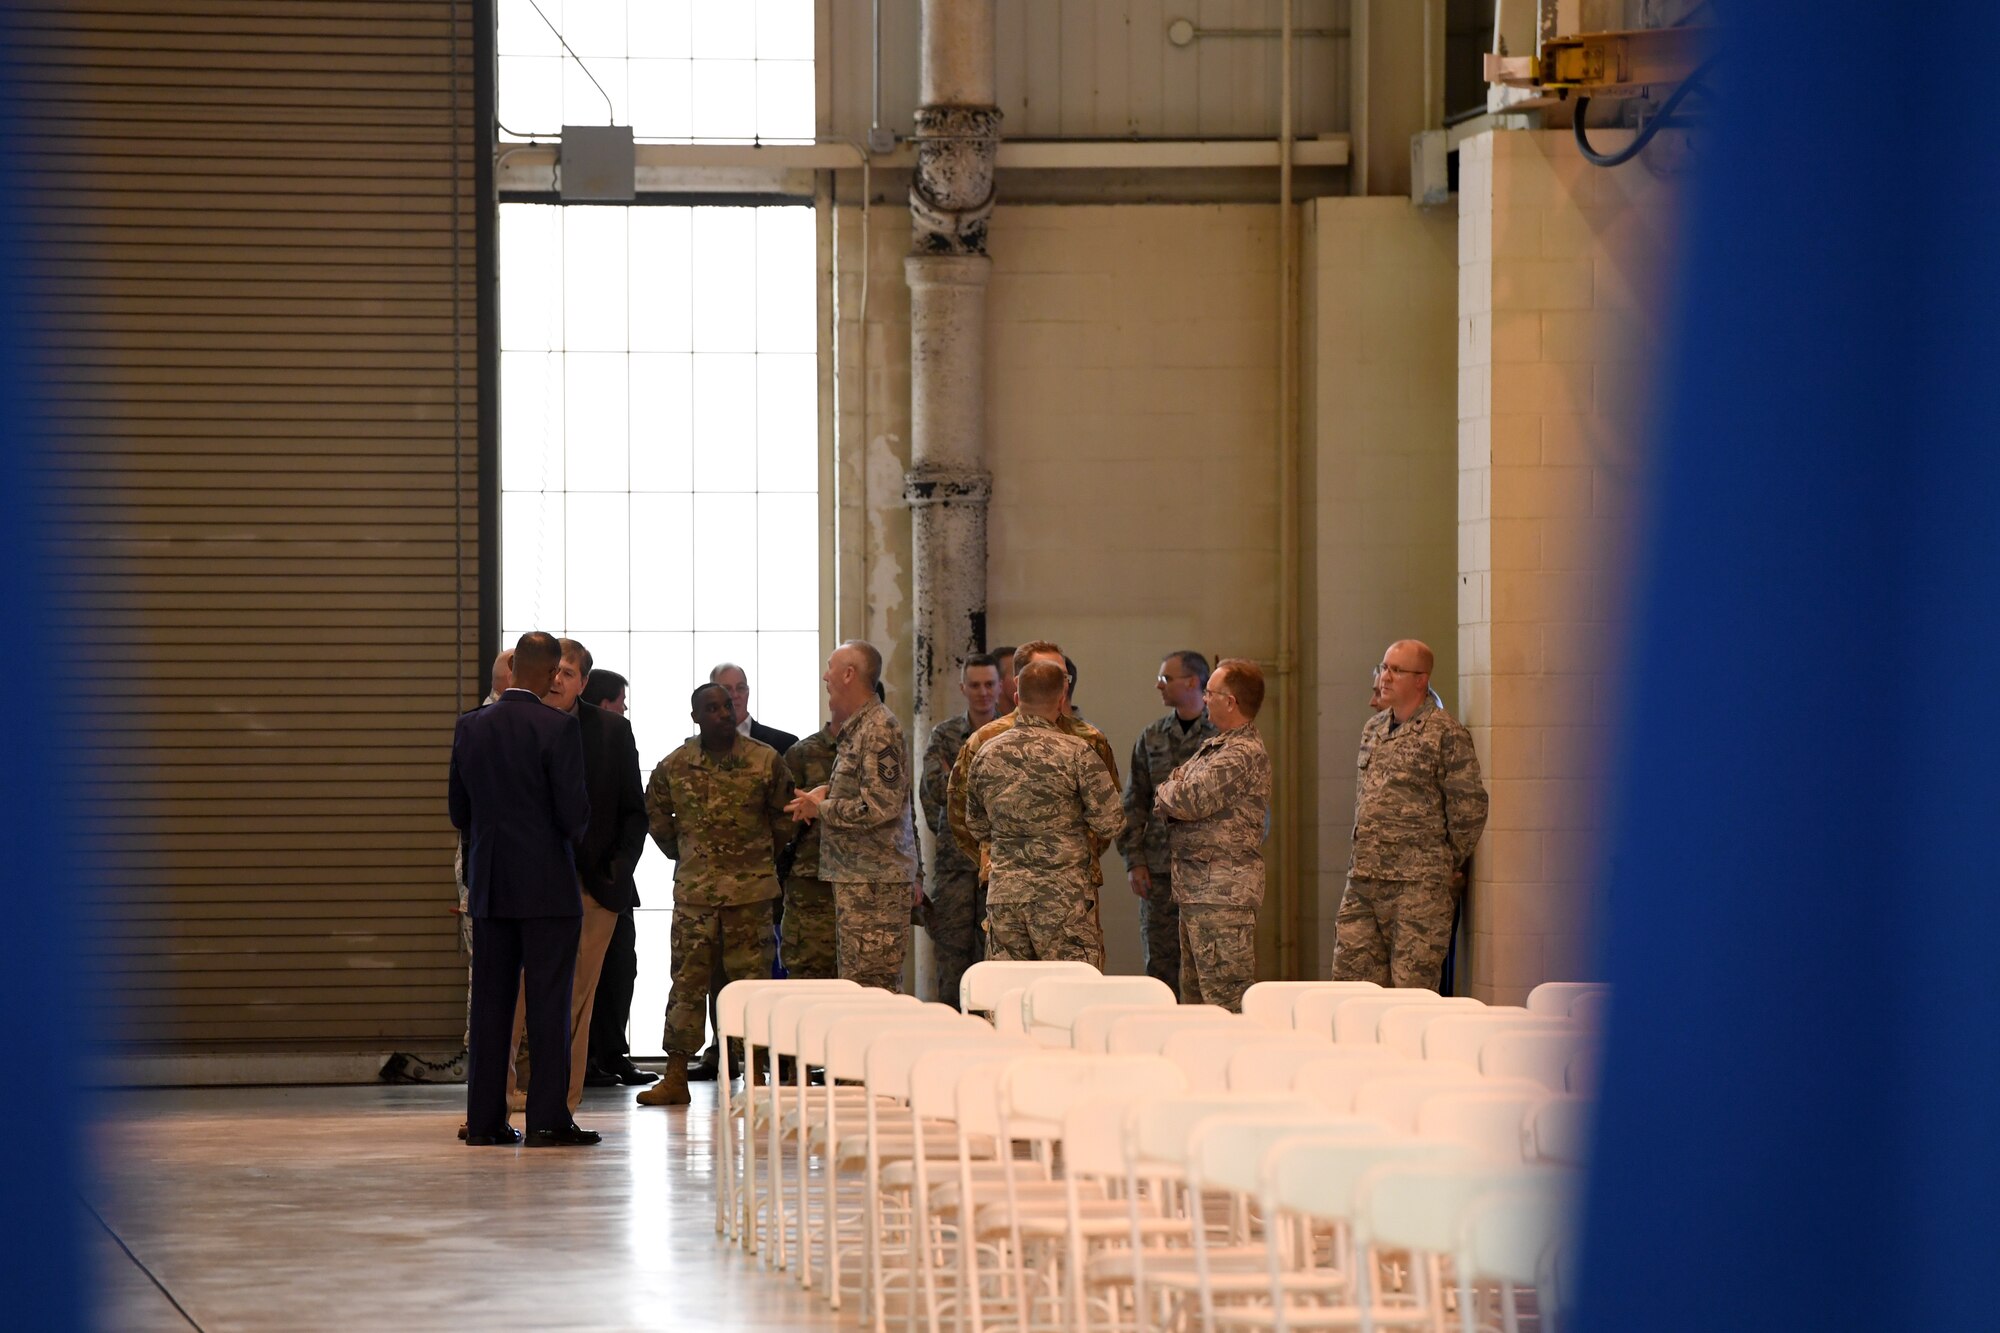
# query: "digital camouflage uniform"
{"type": "Point", "coordinates": [958, 900]}
{"type": "Point", "coordinates": [1042, 803]}
{"type": "Point", "coordinates": [1219, 805]}
{"type": "Point", "coordinates": [1419, 808]}
{"type": "Point", "coordinates": [868, 849]}
{"type": "Point", "coordinates": [807, 948]}
{"type": "Point", "coordinates": [723, 821]}
{"type": "Point", "coordinates": [961, 770]}
{"type": "Point", "coordinates": [1161, 748]}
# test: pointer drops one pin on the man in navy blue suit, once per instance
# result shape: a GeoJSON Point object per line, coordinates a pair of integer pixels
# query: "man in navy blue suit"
{"type": "Point", "coordinates": [518, 793]}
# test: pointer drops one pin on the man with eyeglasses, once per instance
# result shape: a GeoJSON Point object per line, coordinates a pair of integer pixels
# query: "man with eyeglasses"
{"type": "Point", "coordinates": [1419, 808]}
{"type": "Point", "coordinates": [1162, 747]}
{"type": "Point", "coordinates": [1218, 805]}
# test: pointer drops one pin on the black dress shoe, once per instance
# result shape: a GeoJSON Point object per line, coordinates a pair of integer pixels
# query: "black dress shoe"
{"type": "Point", "coordinates": [631, 1075]}
{"type": "Point", "coordinates": [597, 1076]}
{"type": "Point", "coordinates": [703, 1069]}
{"type": "Point", "coordinates": [506, 1139]}
{"type": "Point", "coordinates": [569, 1136]}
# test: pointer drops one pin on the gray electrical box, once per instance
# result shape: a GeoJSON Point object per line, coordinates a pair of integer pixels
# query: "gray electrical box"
{"type": "Point", "coordinates": [596, 162]}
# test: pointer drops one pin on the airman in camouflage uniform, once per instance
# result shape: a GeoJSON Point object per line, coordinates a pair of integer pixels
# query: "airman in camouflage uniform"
{"type": "Point", "coordinates": [957, 898]}
{"type": "Point", "coordinates": [961, 770]}
{"type": "Point", "coordinates": [807, 947]}
{"type": "Point", "coordinates": [717, 807]}
{"type": "Point", "coordinates": [868, 847]}
{"type": "Point", "coordinates": [1161, 748]}
{"type": "Point", "coordinates": [1218, 805]}
{"type": "Point", "coordinates": [1419, 808]}
{"type": "Point", "coordinates": [1042, 802]}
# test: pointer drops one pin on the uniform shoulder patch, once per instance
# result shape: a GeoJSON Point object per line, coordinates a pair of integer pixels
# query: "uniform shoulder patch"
{"type": "Point", "coordinates": [889, 763]}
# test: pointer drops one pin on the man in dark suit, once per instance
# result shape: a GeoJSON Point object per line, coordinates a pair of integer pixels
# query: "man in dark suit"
{"type": "Point", "coordinates": [736, 681]}
{"type": "Point", "coordinates": [517, 791]}
{"type": "Point", "coordinates": [608, 1061]}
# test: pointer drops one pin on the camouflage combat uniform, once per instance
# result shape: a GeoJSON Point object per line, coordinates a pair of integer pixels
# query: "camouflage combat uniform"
{"type": "Point", "coordinates": [961, 771]}
{"type": "Point", "coordinates": [723, 821]}
{"type": "Point", "coordinates": [958, 900]}
{"type": "Point", "coordinates": [1219, 805]}
{"type": "Point", "coordinates": [1419, 808]}
{"type": "Point", "coordinates": [868, 849]}
{"type": "Point", "coordinates": [1042, 802]}
{"type": "Point", "coordinates": [807, 947]}
{"type": "Point", "coordinates": [1161, 748]}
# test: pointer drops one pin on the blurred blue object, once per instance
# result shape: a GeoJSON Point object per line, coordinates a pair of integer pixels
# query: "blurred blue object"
{"type": "Point", "coordinates": [1800, 897]}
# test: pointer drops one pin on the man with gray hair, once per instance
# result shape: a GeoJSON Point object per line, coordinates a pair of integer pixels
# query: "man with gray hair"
{"type": "Point", "coordinates": [1419, 808]}
{"type": "Point", "coordinates": [868, 845]}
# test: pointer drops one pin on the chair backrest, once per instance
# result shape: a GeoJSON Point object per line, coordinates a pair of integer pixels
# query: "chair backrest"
{"type": "Point", "coordinates": [982, 985]}
{"type": "Point", "coordinates": [807, 1039]}
{"type": "Point", "coordinates": [733, 1000]}
{"type": "Point", "coordinates": [1036, 1093]}
{"type": "Point", "coordinates": [1006, 1010]}
{"type": "Point", "coordinates": [1559, 1131]}
{"type": "Point", "coordinates": [761, 997]}
{"type": "Point", "coordinates": [1418, 1204]}
{"type": "Point", "coordinates": [1094, 1128]}
{"type": "Point", "coordinates": [1054, 1002]}
{"type": "Point", "coordinates": [1203, 1051]}
{"type": "Point", "coordinates": [1227, 1151]}
{"type": "Point", "coordinates": [976, 1102]}
{"type": "Point", "coordinates": [1394, 1098]}
{"type": "Point", "coordinates": [935, 1074]}
{"type": "Point", "coordinates": [889, 1064]}
{"type": "Point", "coordinates": [1091, 1033]}
{"type": "Point", "coordinates": [1555, 997]}
{"type": "Point", "coordinates": [1588, 1009]}
{"type": "Point", "coordinates": [1543, 1056]}
{"type": "Point", "coordinates": [1157, 1132]}
{"type": "Point", "coordinates": [1332, 1080]}
{"type": "Point", "coordinates": [779, 1030]}
{"type": "Point", "coordinates": [848, 1041]}
{"type": "Point", "coordinates": [1272, 1002]}
{"type": "Point", "coordinates": [1356, 1018]}
{"type": "Point", "coordinates": [1507, 1233]}
{"type": "Point", "coordinates": [1146, 1034]}
{"type": "Point", "coordinates": [1492, 1123]}
{"type": "Point", "coordinates": [1313, 1010]}
{"type": "Point", "coordinates": [1401, 1029]}
{"type": "Point", "coordinates": [1460, 1038]}
{"type": "Point", "coordinates": [1271, 1067]}
{"type": "Point", "coordinates": [1320, 1175]}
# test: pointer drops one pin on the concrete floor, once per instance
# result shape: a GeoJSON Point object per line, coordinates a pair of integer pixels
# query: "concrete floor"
{"type": "Point", "coordinates": [347, 1208]}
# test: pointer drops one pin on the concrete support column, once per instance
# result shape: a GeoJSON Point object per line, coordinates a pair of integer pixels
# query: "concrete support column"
{"type": "Point", "coordinates": [947, 486]}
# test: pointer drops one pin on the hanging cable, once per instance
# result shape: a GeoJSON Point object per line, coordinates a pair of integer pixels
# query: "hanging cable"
{"type": "Point", "coordinates": [610, 113]}
{"type": "Point", "coordinates": [1645, 135]}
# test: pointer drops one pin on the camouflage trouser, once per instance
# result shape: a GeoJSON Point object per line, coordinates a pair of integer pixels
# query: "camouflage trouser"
{"type": "Point", "coordinates": [1053, 929]}
{"type": "Point", "coordinates": [1218, 954]}
{"type": "Point", "coordinates": [956, 941]}
{"type": "Point", "coordinates": [743, 936]}
{"type": "Point", "coordinates": [1160, 927]}
{"type": "Point", "coordinates": [808, 928]}
{"type": "Point", "coordinates": [871, 926]}
{"type": "Point", "coordinates": [1392, 932]}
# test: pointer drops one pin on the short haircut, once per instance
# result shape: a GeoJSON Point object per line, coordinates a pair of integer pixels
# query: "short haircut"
{"type": "Point", "coordinates": [694, 699]}
{"type": "Point", "coordinates": [977, 660]}
{"type": "Point", "coordinates": [1003, 657]}
{"type": "Point", "coordinates": [1193, 663]}
{"type": "Point", "coordinates": [871, 659]}
{"type": "Point", "coordinates": [715, 672]}
{"type": "Point", "coordinates": [535, 652]}
{"type": "Point", "coordinates": [1041, 683]}
{"type": "Point", "coordinates": [1246, 683]}
{"type": "Point", "coordinates": [574, 651]}
{"type": "Point", "coordinates": [604, 686]}
{"type": "Point", "coordinates": [1030, 648]}
{"type": "Point", "coordinates": [1426, 659]}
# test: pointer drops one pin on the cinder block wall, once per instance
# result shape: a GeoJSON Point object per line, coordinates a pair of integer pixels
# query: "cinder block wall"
{"type": "Point", "coordinates": [1559, 268]}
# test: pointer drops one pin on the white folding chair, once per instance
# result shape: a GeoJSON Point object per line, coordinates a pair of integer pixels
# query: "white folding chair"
{"type": "Point", "coordinates": [741, 1007]}
{"type": "Point", "coordinates": [1145, 1034]}
{"type": "Point", "coordinates": [1542, 1056]}
{"type": "Point", "coordinates": [1492, 1123]}
{"type": "Point", "coordinates": [1588, 1009]}
{"type": "Point", "coordinates": [1203, 1051]}
{"type": "Point", "coordinates": [1313, 1010]}
{"type": "Point", "coordinates": [1401, 1028]}
{"type": "Point", "coordinates": [980, 989]}
{"type": "Point", "coordinates": [1332, 1080]}
{"type": "Point", "coordinates": [1558, 1132]}
{"type": "Point", "coordinates": [1091, 1034]}
{"type": "Point", "coordinates": [1459, 1038]}
{"type": "Point", "coordinates": [1554, 998]}
{"type": "Point", "coordinates": [1395, 1099]}
{"type": "Point", "coordinates": [1357, 1019]}
{"type": "Point", "coordinates": [1581, 1076]}
{"type": "Point", "coordinates": [1272, 1002]}
{"type": "Point", "coordinates": [1512, 1235]}
{"type": "Point", "coordinates": [1053, 1003]}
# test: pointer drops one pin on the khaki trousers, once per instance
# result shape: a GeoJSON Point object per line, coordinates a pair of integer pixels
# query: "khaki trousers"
{"type": "Point", "coordinates": [598, 923]}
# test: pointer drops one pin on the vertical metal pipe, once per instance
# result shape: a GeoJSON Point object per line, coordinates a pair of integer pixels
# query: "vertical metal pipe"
{"type": "Point", "coordinates": [1293, 740]}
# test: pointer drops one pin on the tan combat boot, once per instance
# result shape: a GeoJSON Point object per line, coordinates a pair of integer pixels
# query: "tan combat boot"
{"type": "Point", "coordinates": [672, 1089]}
